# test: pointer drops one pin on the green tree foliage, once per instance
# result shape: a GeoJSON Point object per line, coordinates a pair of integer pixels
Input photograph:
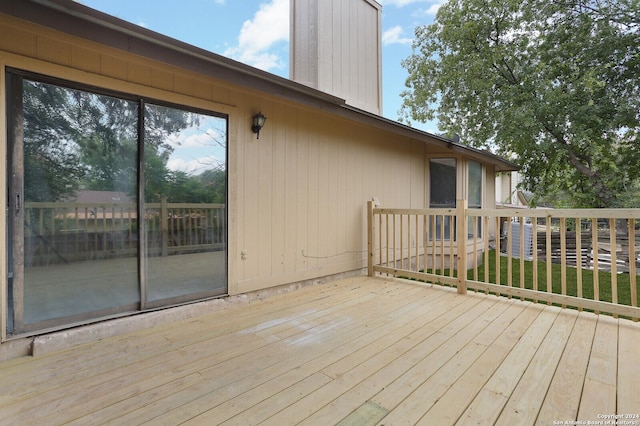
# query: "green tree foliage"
{"type": "Point", "coordinates": [552, 84]}
{"type": "Point", "coordinates": [76, 139]}
{"type": "Point", "coordinates": [50, 153]}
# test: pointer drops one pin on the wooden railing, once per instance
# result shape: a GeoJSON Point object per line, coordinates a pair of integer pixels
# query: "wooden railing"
{"type": "Point", "coordinates": [63, 232]}
{"type": "Point", "coordinates": [583, 258]}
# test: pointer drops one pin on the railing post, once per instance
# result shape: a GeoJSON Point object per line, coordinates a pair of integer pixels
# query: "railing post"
{"type": "Point", "coordinates": [461, 209]}
{"type": "Point", "coordinates": [370, 236]}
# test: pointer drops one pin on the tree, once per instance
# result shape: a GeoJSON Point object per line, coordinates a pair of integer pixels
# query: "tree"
{"type": "Point", "coordinates": [75, 138]}
{"type": "Point", "coordinates": [50, 155]}
{"type": "Point", "coordinates": [552, 83]}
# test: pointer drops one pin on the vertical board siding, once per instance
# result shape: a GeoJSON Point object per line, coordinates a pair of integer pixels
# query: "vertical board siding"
{"type": "Point", "coordinates": [263, 209]}
{"type": "Point", "coordinates": [336, 49]}
{"type": "Point", "coordinates": [248, 166]}
{"type": "Point", "coordinates": [302, 191]}
{"type": "Point", "coordinates": [279, 191]}
{"type": "Point", "coordinates": [304, 46]}
{"type": "Point", "coordinates": [292, 171]}
{"type": "Point", "coordinates": [313, 207]}
{"type": "Point", "coordinates": [323, 199]}
{"type": "Point", "coordinates": [313, 175]}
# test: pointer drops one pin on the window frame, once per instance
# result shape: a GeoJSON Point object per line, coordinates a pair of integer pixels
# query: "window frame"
{"type": "Point", "coordinates": [462, 186]}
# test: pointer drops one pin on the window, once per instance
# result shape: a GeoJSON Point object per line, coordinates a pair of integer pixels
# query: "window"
{"type": "Point", "coordinates": [118, 202]}
{"type": "Point", "coordinates": [443, 184]}
{"type": "Point", "coordinates": [443, 193]}
{"type": "Point", "coordinates": [442, 178]}
{"type": "Point", "coordinates": [474, 184]}
{"type": "Point", "coordinates": [474, 194]}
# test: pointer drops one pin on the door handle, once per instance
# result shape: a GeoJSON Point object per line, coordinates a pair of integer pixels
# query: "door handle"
{"type": "Point", "coordinates": [18, 206]}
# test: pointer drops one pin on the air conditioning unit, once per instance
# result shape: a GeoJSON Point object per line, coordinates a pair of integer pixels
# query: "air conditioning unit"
{"type": "Point", "coordinates": [515, 239]}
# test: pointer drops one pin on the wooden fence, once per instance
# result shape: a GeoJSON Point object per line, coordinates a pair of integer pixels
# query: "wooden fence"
{"type": "Point", "coordinates": [64, 232]}
{"type": "Point", "coordinates": [584, 258]}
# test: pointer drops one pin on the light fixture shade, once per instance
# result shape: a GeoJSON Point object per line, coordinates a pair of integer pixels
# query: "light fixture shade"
{"type": "Point", "coordinates": [258, 123]}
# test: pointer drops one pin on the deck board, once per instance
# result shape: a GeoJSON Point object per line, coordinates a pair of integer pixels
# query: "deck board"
{"type": "Point", "coordinates": [527, 398]}
{"type": "Point", "coordinates": [599, 392]}
{"type": "Point", "coordinates": [355, 351]}
{"type": "Point", "coordinates": [628, 368]}
{"type": "Point", "coordinates": [563, 396]}
{"type": "Point", "coordinates": [460, 395]}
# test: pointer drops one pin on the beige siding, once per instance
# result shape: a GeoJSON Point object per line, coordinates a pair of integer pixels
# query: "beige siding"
{"type": "Point", "coordinates": [303, 189]}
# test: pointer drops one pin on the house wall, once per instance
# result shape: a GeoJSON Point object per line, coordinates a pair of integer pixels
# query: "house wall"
{"type": "Point", "coordinates": [302, 191]}
{"type": "Point", "coordinates": [296, 196]}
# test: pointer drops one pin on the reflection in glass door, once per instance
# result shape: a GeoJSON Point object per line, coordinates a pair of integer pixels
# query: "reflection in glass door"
{"type": "Point", "coordinates": [74, 233]}
{"type": "Point", "coordinates": [83, 168]}
{"type": "Point", "coordinates": [184, 206]}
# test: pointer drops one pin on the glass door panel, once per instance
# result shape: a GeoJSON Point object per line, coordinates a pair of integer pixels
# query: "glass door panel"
{"type": "Point", "coordinates": [74, 187]}
{"type": "Point", "coordinates": [184, 205]}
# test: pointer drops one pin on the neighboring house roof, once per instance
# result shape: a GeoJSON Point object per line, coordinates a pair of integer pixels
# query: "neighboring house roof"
{"type": "Point", "coordinates": [109, 197]}
{"type": "Point", "coordinates": [81, 21]}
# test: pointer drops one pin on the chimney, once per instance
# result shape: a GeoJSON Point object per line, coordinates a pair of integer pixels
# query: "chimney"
{"type": "Point", "coordinates": [336, 48]}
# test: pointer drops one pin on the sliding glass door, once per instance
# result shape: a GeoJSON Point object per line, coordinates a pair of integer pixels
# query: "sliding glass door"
{"type": "Point", "coordinates": [116, 205]}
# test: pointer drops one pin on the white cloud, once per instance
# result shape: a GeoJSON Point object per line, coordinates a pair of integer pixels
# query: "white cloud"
{"type": "Point", "coordinates": [400, 3]}
{"type": "Point", "coordinates": [433, 9]}
{"type": "Point", "coordinates": [258, 36]}
{"type": "Point", "coordinates": [434, 5]}
{"type": "Point", "coordinates": [194, 166]}
{"type": "Point", "coordinates": [196, 138]}
{"type": "Point", "coordinates": [393, 36]}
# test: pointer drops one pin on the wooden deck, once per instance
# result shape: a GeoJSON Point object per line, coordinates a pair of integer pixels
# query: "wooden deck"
{"type": "Point", "coordinates": [358, 351]}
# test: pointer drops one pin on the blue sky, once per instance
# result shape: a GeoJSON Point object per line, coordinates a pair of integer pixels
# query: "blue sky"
{"type": "Point", "coordinates": [256, 32]}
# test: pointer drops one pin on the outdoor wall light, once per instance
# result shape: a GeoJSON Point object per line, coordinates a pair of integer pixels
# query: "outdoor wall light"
{"type": "Point", "coordinates": [258, 124]}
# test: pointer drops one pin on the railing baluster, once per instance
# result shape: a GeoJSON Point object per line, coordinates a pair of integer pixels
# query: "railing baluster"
{"type": "Point", "coordinates": [534, 236]}
{"type": "Point", "coordinates": [521, 253]}
{"type": "Point", "coordinates": [548, 255]}
{"type": "Point", "coordinates": [395, 248]}
{"type": "Point", "coordinates": [452, 242]}
{"type": "Point", "coordinates": [474, 233]}
{"type": "Point", "coordinates": [563, 257]}
{"type": "Point", "coordinates": [579, 258]}
{"type": "Point", "coordinates": [509, 255]}
{"type": "Point", "coordinates": [409, 242]}
{"type": "Point", "coordinates": [417, 240]}
{"type": "Point", "coordinates": [434, 234]}
{"type": "Point", "coordinates": [498, 249]}
{"type": "Point", "coordinates": [485, 231]}
{"type": "Point", "coordinates": [614, 261]}
{"type": "Point", "coordinates": [632, 264]}
{"type": "Point", "coordinates": [401, 241]}
{"type": "Point", "coordinates": [594, 242]}
{"type": "Point", "coordinates": [387, 242]}
{"type": "Point", "coordinates": [441, 244]}
{"type": "Point", "coordinates": [380, 238]}
{"type": "Point", "coordinates": [425, 241]}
